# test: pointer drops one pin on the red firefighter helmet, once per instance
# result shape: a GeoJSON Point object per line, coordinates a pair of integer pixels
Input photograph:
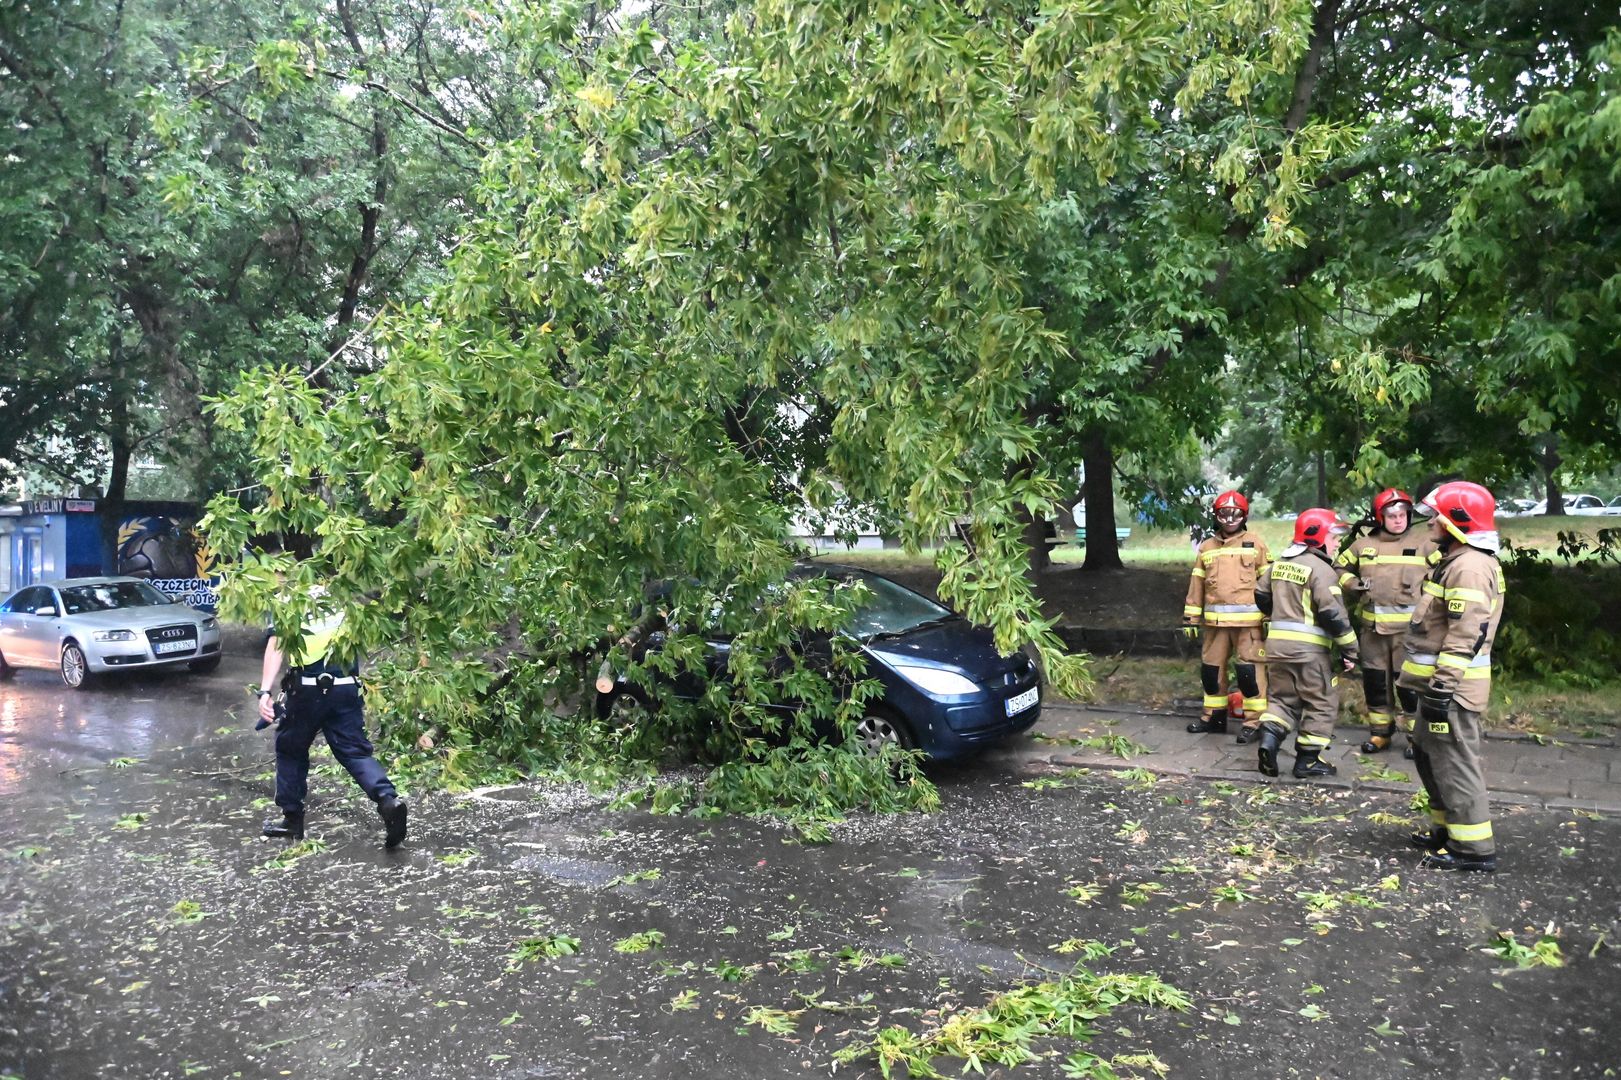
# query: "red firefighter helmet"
{"type": "Point", "coordinates": [1229, 499]}
{"type": "Point", "coordinates": [1385, 498]}
{"type": "Point", "coordinates": [1316, 525]}
{"type": "Point", "coordinates": [1465, 508]}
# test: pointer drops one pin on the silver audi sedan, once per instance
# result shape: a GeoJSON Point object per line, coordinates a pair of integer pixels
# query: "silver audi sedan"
{"type": "Point", "coordinates": [84, 627]}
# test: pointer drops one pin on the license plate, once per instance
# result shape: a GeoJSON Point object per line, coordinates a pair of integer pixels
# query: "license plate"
{"type": "Point", "coordinates": [173, 646]}
{"type": "Point", "coordinates": [1021, 702]}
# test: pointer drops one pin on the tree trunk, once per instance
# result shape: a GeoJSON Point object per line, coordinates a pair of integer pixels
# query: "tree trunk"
{"type": "Point", "coordinates": [1102, 549]}
{"type": "Point", "coordinates": [121, 447]}
{"type": "Point", "coordinates": [1550, 461]}
{"type": "Point", "coordinates": [1035, 541]}
{"type": "Point", "coordinates": [1322, 479]}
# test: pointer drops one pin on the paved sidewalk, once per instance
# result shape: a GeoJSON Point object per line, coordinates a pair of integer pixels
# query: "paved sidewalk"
{"type": "Point", "coordinates": [1563, 774]}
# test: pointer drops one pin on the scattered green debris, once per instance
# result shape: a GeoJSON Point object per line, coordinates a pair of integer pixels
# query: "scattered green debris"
{"type": "Point", "coordinates": [685, 1001]}
{"type": "Point", "coordinates": [1083, 892]}
{"type": "Point", "coordinates": [776, 1021]}
{"type": "Point", "coordinates": [640, 942]}
{"type": "Point", "coordinates": [636, 876]}
{"type": "Point", "coordinates": [458, 858]}
{"type": "Point", "coordinates": [188, 911]}
{"type": "Point", "coordinates": [1374, 769]}
{"type": "Point", "coordinates": [290, 854]}
{"type": "Point", "coordinates": [1003, 1030]}
{"type": "Point", "coordinates": [130, 821]}
{"type": "Point", "coordinates": [1543, 952]}
{"type": "Point", "coordinates": [546, 947]}
{"type": "Point", "coordinates": [123, 762]}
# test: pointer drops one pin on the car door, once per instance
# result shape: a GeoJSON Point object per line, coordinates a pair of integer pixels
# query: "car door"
{"type": "Point", "coordinates": [26, 631]}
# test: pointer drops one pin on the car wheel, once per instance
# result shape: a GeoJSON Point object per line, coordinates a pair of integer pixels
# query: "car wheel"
{"type": "Point", "coordinates": [75, 668]}
{"type": "Point", "coordinates": [204, 666]}
{"type": "Point", "coordinates": [6, 670]}
{"type": "Point", "coordinates": [877, 729]}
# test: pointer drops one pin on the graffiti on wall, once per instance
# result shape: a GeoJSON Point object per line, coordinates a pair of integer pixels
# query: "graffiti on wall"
{"type": "Point", "coordinates": [171, 553]}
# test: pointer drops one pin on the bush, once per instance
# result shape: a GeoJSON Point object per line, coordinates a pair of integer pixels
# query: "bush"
{"type": "Point", "coordinates": [1562, 619]}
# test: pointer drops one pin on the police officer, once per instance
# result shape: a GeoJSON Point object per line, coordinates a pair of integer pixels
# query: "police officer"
{"type": "Point", "coordinates": [323, 698]}
{"type": "Point", "coordinates": [1448, 669]}
{"type": "Point", "coordinates": [1300, 595]}
{"type": "Point", "coordinates": [1383, 572]}
{"type": "Point", "coordinates": [1221, 600]}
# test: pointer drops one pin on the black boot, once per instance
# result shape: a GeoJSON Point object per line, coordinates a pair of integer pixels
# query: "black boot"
{"type": "Point", "coordinates": [1378, 743]}
{"type": "Point", "coordinates": [1267, 750]}
{"type": "Point", "coordinates": [1217, 724]}
{"type": "Point", "coordinates": [290, 826]}
{"type": "Point", "coordinates": [391, 808]}
{"type": "Point", "coordinates": [1247, 734]}
{"type": "Point", "coordinates": [1309, 763]}
{"type": "Point", "coordinates": [1457, 860]}
{"type": "Point", "coordinates": [1431, 841]}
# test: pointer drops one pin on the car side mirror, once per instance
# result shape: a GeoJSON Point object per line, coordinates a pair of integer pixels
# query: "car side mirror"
{"type": "Point", "coordinates": [46, 609]}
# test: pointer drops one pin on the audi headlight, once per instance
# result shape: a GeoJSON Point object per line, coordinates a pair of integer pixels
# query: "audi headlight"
{"type": "Point", "coordinates": [937, 680]}
{"type": "Point", "coordinates": [114, 635]}
{"type": "Point", "coordinates": [211, 623]}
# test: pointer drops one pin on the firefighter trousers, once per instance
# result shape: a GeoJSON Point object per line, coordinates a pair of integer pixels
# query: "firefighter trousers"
{"type": "Point", "coordinates": [1381, 660]}
{"type": "Point", "coordinates": [1218, 645]}
{"type": "Point", "coordinates": [1447, 754]}
{"type": "Point", "coordinates": [1303, 697]}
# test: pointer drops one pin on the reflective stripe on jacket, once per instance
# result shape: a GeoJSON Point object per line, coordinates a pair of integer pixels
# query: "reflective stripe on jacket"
{"type": "Point", "coordinates": [1221, 591]}
{"type": "Point", "coordinates": [1449, 646]}
{"type": "Point", "coordinates": [1308, 613]}
{"type": "Point", "coordinates": [1381, 574]}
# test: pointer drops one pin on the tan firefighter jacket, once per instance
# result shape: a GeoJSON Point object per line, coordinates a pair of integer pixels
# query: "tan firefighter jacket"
{"type": "Point", "coordinates": [1449, 645]}
{"type": "Point", "coordinates": [1382, 574]}
{"type": "Point", "coordinates": [1308, 614]}
{"type": "Point", "coordinates": [1222, 589]}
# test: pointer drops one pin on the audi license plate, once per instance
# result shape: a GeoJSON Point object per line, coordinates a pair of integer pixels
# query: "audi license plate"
{"type": "Point", "coordinates": [173, 646]}
{"type": "Point", "coordinates": [1021, 702]}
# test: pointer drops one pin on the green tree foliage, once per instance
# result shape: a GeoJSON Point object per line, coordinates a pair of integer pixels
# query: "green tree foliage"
{"type": "Point", "coordinates": [188, 194]}
{"type": "Point", "coordinates": [1447, 307]}
{"type": "Point", "coordinates": [710, 282]}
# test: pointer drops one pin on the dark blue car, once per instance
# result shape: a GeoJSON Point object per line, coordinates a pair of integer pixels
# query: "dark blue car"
{"type": "Point", "coordinates": [947, 691]}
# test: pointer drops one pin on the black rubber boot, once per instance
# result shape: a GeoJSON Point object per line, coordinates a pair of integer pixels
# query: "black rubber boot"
{"type": "Point", "coordinates": [1378, 743]}
{"type": "Point", "coordinates": [392, 809]}
{"type": "Point", "coordinates": [1217, 724]}
{"type": "Point", "coordinates": [1407, 752]}
{"type": "Point", "coordinates": [1266, 751]}
{"type": "Point", "coordinates": [290, 826]}
{"type": "Point", "coordinates": [1431, 841]}
{"type": "Point", "coordinates": [1247, 734]}
{"type": "Point", "coordinates": [1309, 763]}
{"type": "Point", "coordinates": [1456, 860]}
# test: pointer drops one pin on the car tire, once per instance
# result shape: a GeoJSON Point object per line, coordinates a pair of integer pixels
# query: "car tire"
{"type": "Point", "coordinates": [204, 666]}
{"type": "Point", "coordinates": [6, 670]}
{"type": "Point", "coordinates": [75, 668]}
{"type": "Point", "coordinates": [879, 727]}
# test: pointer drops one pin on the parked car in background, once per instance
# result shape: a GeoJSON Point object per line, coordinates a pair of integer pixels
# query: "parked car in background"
{"type": "Point", "coordinates": [947, 691]}
{"type": "Point", "coordinates": [1613, 506]}
{"type": "Point", "coordinates": [1586, 505]}
{"type": "Point", "coordinates": [1515, 507]}
{"type": "Point", "coordinates": [84, 627]}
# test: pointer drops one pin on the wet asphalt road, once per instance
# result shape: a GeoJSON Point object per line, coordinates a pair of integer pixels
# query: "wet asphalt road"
{"type": "Point", "coordinates": [147, 931]}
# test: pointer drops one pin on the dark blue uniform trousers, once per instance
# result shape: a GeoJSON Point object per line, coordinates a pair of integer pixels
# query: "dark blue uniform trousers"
{"type": "Point", "coordinates": [338, 715]}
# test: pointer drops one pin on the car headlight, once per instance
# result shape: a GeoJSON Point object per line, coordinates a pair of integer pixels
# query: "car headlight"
{"type": "Point", "coordinates": [937, 680]}
{"type": "Point", "coordinates": [211, 623]}
{"type": "Point", "coordinates": [113, 635]}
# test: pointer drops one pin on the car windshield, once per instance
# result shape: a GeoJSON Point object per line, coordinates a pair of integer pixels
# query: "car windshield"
{"type": "Point", "coordinates": [113, 594]}
{"type": "Point", "coordinates": [891, 609]}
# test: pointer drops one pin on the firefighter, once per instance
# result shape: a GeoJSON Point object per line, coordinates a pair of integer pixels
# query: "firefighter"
{"type": "Point", "coordinates": [1383, 572]}
{"type": "Point", "coordinates": [1447, 669]}
{"type": "Point", "coordinates": [1300, 595]}
{"type": "Point", "coordinates": [1221, 601]}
